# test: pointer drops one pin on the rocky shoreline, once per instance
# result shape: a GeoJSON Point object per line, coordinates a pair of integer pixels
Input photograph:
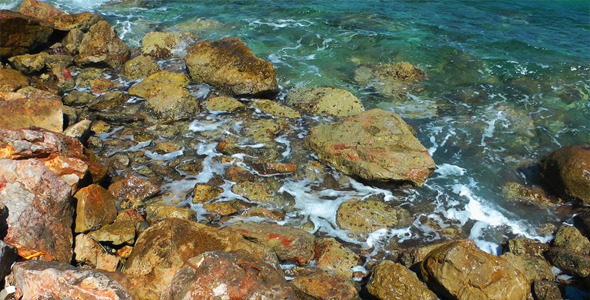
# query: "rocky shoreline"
{"type": "Point", "coordinates": [94, 135]}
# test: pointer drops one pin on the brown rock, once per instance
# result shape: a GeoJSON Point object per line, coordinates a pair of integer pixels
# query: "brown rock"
{"type": "Point", "coordinates": [96, 207]}
{"type": "Point", "coordinates": [322, 285]}
{"type": "Point", "coordinates": [459, 270]}
{"type": "Point", "coordinates": [275, 109]}
{"type": "Point", "coordinates": [110, 100]}
{"type": "Point", "coordinates": [90, 253]}
{"type": "Point", "coordinates": [73, 40]}
{"type": "Point", "coordinates": [332, 256]}
{"type": "Point", "coordinates": [205, 193]}
{"type": "Point", "coordinates": [220, 208]}
{"type": "Point", "coordinates": [570, 262]}
{"type": "Point", "coordinates": [20, 113]}
{"type": "Point", "coordinates": [567, 172]}
{"type": "Point", "coordinates": [54, 280]}
{"type": "Point", "coordinates": [27, 64]}
{"type": "Point", "coordinates": [394, 281]}
{"type": "Point", "coordinates": [524, 246]}
{"type": "Point", "coordinates": [12, 80]}
{"type": "Point", "coordinates": [235, 275]}
{"type": "Point", "coordinates": [230, 66]}
{"type": "Point", "coordinates": [570, 238]}
{"type": "Point", "coordinates": [159, 211]}
{"type": "Point", "coordinates": [167, 44]}
{"type": "Point", "coordinates": [223, 103]}
{"type": "Point", "coordinates": [238, 174]}
{"type": "Point", "coordinates": [375, 145]}
{"type": "Point", "coordinates": [544, 290]}
{"type": "Point", "coordinates": [326, 100]}
{"type": "Point", "coordinates": [133, 189]}
{"type": "Point", "coordinates": [39, 9]}
{"type": "Point", "coordinates": [263, 212]}
{"type": "Point", "coordinates": [40, 209]}
{"type": "Point", "coordinates": [290, 244]}
{"type": "Point", "coordinates": [391, 80]}
{"type": "Point", "coordinates": [117, 233]}
{"type": "Point", "coordinates": [140, 67]}
{"type": "Point", "coordinates": [101, 46]}
{"type": "Point", "coordinates": [163, 249]}
{"type": "Point", "coordinates": [531, 266]}
{"type": "Point", "coordinates": [80, 130]}
{"type": "Point", "coordinates": [82, 21]}
{"type": "Point", "coordinates": [361, 218]}
{"type": "Point", "coordinates": [272, 168]}
{"type": "Point", "coordinates": [72, 170]}
{"type": "Point", "coordinates": [37, 142]}
{"type": "Point", "coordinates": [22, 34]}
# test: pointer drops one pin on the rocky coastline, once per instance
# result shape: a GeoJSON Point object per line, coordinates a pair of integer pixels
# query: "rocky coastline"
{"type": "Point", "coordinates": [93, 136]}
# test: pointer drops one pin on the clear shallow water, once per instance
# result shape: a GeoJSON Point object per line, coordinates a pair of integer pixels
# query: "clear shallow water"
{"type": "Point", "coordinates": [507, 82]}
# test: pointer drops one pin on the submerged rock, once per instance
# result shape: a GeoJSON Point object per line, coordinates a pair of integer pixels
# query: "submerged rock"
{"type": "Point", "coordinates": [167, 44]}
{"type": "Point", "coordinates": [459, 270]}
{"type": "Point", "coordinates": [276, 109]}
{"type": "Point", "coordinates": [22, 34]}
{"type": "Point", "coordinates": [102, 46]}
{"type": "Point", "coordinates": [360, 218]}
{"type": "Point", "coordinates": [391, 80]}
{"type": "Point", "coordinates": [567, 172]}
{"type": "Point", "coordinates": [393, 281]}
{"type": "Point", "coordinates": [133, 189]}
{"type": "Point", "coordinates": [229, 65]}
{"type": "Point", "coordinates": [325, 100]}
{"type": "Point", "coordinates": [376, 146]}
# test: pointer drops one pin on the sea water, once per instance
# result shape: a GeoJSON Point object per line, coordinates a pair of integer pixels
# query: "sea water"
{"type": "Point", "coordinates": [508, 82]}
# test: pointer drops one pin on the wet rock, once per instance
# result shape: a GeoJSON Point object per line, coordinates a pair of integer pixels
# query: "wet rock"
{"type": "Point", "coordinates": [221, 208]}
{"type": "Point", "coordinates": [39, 9]}
{"type": "Point", "coordinates": [8, 256]}
{"type": "Point", "coordinates": [394, 281]}
{"type": "Point", "coordinates": [80, 130]}
{"type": "Point", "coordinates": [95, 207]}
{"type": "Point", "coordinates": [110, 100]}
{"type": "Point", "coordinates": [322, 285]}
{"type": "Point", "coordinates": [276, 109]}
{"type": "Point", "coordinates": [531, 266]}
{"type": "Point", "coordinates": [101, 46]}
{"type": "Point", "coordinates": [40, 211]}
{"type": "Point", "coordinates": [163, 249]}
{"type": "Point", "coordinates": [270, 168]}
{"type": "Point", "coordinates": [140, 67]}
{"type": "Point", "coordinates": [582, 222]}
{"type": "Point", "coordinates": [133, 189]}
{"type": "Point", "coordinates": [376, 145]}
{"type": "Point", "coordinates": [167, 44]}
{"type": "Point", "coordinates": [567, 172]}
{"type": "Point", "coordinates": [78, 98]}
{"type": "Point", "coordinates": [534, 195]}
{"type": "Point", "coordinates": [82, 21]}
{"type": "Point", "coordinates": [290, 244]}
{"type": "Point", "coordinates": [392, 80]}
{"type": "Point", "coordinates": [102, 85]}
{"type": "Point", "coordinates": [260, 192]}
{"type": "Point", "coordinates": [544, 290]}
{"type": "Point", "coordinates": [570, 238]}
{"type": "Point", "coordinates": [325, 100]}
{"type": "Point", "coordinates": [62, 78]}
{"type": "Point", "coordinates": [525, 246]}
{"type": "Point", "coordinates": [72, 170]}
{"type": "Point", "coordinates": [230, 66]}
{"type": "Point", "coordinates": [37, 142]}
{"type": "Point", "coordinates": [22, 34]}
{"type": "Point", "coordinates": [233, 275]}
{"type": "Point", "coordinates": [54, 280]}
{"type": "Point", "coordinates": [459, 270]}
{"type": "Point", "coordinates": [90, 253]}
{"type": "Point", "coordinates": [205, 193]}
{"type": "Point", "coordinates": [238, 174]}
{"type": "Point", "coordinates": [12, 80]}
{"type": "Point", "coordinates": [332, 256]}
{"type": "Point", "coordinates": [570, 262]}
{"type": "Point", "coordinates": [160, 211]}
{"type": "Point", "coordinates": [87, 76]}
{"type": "Point", "coordinates": [29, 63]}
{"type": "Point", "coordinates": [118, 233]}
{"type": "Point", "coordinates": [223, 104]}
{"type": "Point", "coordinates": [361, 218]}
{"type": "Point", "coordinates": [408, 256]}
{"type": "Point", "coordinates": [265, 213]}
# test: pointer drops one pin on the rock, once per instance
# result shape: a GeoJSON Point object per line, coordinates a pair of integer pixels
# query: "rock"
{"type": "Point", "coordinates": [96, 207]}
{"type": "Point", "coordinates": [8, 256]}
{"type": "Point", "coordinates": [140, 67]}
{"type": "Point", "coordinates": [322, 285]}
{"type": "Point", "coordinates": [276, 109]}
{"type": "Point", "coordinates": [22, 34]}
{"type": "Point", "coordinates": [160, 211]}
{"type": "Point", "coordinates": [167, 44]}
{"type": "Point", "coordinates": [90, 253]}
{"type": "Point", "coordinates": [133, 189]}
{"type": "Point", "coordinates": [39, 9]}
{"type": "Point", "coordinates": [332, 256]}
{"type": "Point", "coordinates": [544, 290]}
{"type": "Point", "coordinates": [260, 192]}
{"type": "Point", "coordinates": [376, 145]}
{"type": "Point", "coordinates": [567, 172]}
{"type": "Point", "coordinates": [582, 222]}
{"type": "Point", "coordinates": [330, 101]}
{"type": "Point", "coordinates": [163, 249]}
{"type": "Point", "coordinates": [118, 233]}
{"type": "Point", "coordinates": [228, 275]}
{"type": "Point", "coordinates": [205, 193]}
{"type": "Point", "coordinates": [290, 244]}
{"type": "Point", "coordinates": [223, 104]}
{"type": "Point", "coordinates": [570, 238]}
{"type": "Point", "coordinates": [80, 130]}
{"type": "Point", "coordinates": [102, 46]}
{"type": "Point", "coordinates": [37, 142]}
{"type": "Point", "coordinates": [24, 112]}
{"type": "Point", "coordinates": [82, 21]}
{"type": "Point", "coordinates": [229, 65]}
{"type": "Point", "coordinates": [12, 80]}
{"type": "Point", "coordinates": [221, 208]}
{"type": "Point", "coordinates": [570, 262]}
{"type": "Point", "coordinates": [531, 266]}
{"type": "Point", "coordinates": [409, 256]}
{"type": "Point", "coordinates": [73, 40]}
{"type": "Point", "coordinates": [391, 80]}
{"type": "Point", "coordinates": [110, 100]}
{"type": "Point", "coordinates": [40, 209]}
{"type": "Point", "coordinates": [28, 63]}
{"type": "Point", "coordinates": [54, 280]}
{"type": "Point", "coordinates": [239, 174]}
{"type": "Point", "coordinates": [78, 98]}
{"type": "Point", "coordinates": [265, 213]}
{"type": "Point", "coordinates": [394, 281]}
{"type": "Point", "coordinates": [459, 270]}
{"type": "Point", "coordinates": [273, 168]}
{"type": "Point", "coordinates": [72, 170]}
{"type": "Point", "coordinates": [360, 218]}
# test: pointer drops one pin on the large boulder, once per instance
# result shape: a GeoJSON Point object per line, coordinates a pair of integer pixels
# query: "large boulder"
{"type": "Point", "coordinates": [360, 218]}
{"type": "Point", "coordinates": [60, 20]}
{"type": "Point", "coordinates": [228, 275]}
{"type": "Point", "coordinates": [229, 65]}
{"type": "Point", "coordinates": [23, 112]}
{"type": "Point", "coordinates": [458, 270]}
{"type": "Point", "coordinates": [10, 81]}
{"type": "Point", "coordinates": [394, 281]}
{"type": "Point", "coordinates": [567, 172]}
{"type": "Point", "coordinates": [22, 34]}
{"type": "Point", "coordinates": [326, 100]}
{"type": "Point", "coordinates": [376, 145]}
{"type": "Point", "coordinates": [54, 280]}
{"type": "Point", "coordinates": [40, 210]}
{"type": "Point", "coordinates": [102, 46]}
{"type": "Point", "coordinates": [37, 142]}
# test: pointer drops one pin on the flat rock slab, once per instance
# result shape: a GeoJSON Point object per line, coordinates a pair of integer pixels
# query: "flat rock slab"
{"type": "Point", "coordinates": [21, 113]}
{"type": "Point", "coordinates": [37, 143]}
{"type": "Point", "coordinates": [376, 145]}
{"type": "Point", "coordinates": [40, 211]}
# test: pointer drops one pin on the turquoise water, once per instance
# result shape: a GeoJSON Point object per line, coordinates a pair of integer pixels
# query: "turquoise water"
{"type": "Point", "coordinates": [508, 81]}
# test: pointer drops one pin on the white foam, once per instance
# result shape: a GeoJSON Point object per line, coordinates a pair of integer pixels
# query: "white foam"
{"type": "Point", "coordinates": [167, 156]}
{"type": "Point", "coordinates": [283, 140]}
{"type": "Point", "coordinates": [133, 148]}
{"type": "Point", "coordinates": [449, 170]}
{"type": "Point", "coordinates": [198, 126]}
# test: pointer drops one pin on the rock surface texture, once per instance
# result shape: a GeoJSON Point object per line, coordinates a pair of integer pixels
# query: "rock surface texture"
{"type": "Point", "coordinates": [21, 34]}
{"type": "Point", "coordinates": [567, 172]}
{"type": "Point", "coordinates": [102, 46]}
{"type": "Point", "coordinates": [376, 145]}
{"type": "Point", "coordinates": [326, 100]}
{"type": "Point", "coordinates": [395, 282]}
